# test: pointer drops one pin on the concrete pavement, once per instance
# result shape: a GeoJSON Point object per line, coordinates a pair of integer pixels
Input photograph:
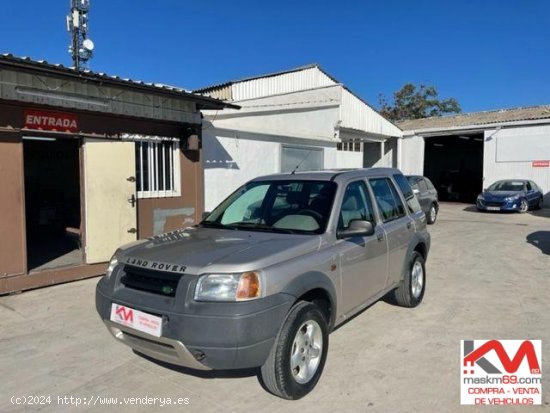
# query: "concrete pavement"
{"type": "Point", "coordinates": [488, 277]}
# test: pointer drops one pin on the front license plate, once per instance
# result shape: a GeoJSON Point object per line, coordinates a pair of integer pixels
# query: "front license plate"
{"type": "Point", "coordinates": [493, 208]}
{"type": "Point", "coordinates": [138, 320]}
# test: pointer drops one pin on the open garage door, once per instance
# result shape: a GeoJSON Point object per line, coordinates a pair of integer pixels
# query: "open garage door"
{"type": "Point", "coordinates": [455, 166]}
{"type": "Point", "coordinates": [110, 197]}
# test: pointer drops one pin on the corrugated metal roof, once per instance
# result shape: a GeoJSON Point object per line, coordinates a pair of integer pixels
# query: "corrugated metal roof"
{"type": "Point", "coordinates": [207, 89]}
{"type": "Point", "coordinates": [478, 118]}
{"type": "Point", "coordinates": [58, 69]}
{"type": "Point", "coordinates": [356, 113]}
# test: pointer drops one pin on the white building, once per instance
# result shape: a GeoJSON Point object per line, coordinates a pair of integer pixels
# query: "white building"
{"type": "Point", "coordinates": [299, 119]}
{"type": "Point", "coordinates": [472, 150]}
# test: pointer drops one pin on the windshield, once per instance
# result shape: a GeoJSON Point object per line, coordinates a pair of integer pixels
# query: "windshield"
{"type": "Point", "coordinates": [276, 206]}
{"type": "Point", "coordinates": [507, 186]}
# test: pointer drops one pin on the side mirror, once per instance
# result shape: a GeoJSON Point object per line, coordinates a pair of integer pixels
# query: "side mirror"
{"type": "Point", "coordinates": [357, 228]}
{"type": "Point", "coordinates": [205, 214]}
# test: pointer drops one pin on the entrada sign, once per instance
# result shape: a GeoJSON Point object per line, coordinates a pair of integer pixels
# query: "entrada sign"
{"type": "Point", "coordinates": [51, 121]}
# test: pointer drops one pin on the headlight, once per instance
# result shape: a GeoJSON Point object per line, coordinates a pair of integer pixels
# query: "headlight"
{"type": "Point", "coordinates": [511, 198]}
{"type": "Point", "coordinates": [228, 287]}
{"type": "Point", "coordinates": [112, 265]}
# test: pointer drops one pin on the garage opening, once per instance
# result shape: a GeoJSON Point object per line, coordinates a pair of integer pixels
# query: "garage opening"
{"type": "Point", "coordinates": [52, 202]}
{"type": "Point", "coordinates": [455, 166]}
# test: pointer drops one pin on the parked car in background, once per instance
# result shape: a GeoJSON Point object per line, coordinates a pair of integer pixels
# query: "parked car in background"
{"type": "Point", "coordinates": [510, 195]}
{"type": "Point", "coordinates": [427, 196]}
{"type": "Point", "coordinates": [268, 274]}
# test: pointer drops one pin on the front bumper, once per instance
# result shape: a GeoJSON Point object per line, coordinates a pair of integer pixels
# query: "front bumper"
{"type": "Point", "coordinates": [511, 206]}
{"type": "Point", "coordinates": [160, 348]}
{"type": "Point", "coordinates": [198, 335]}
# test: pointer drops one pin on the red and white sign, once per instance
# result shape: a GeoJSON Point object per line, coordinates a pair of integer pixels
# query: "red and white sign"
{"type": "Point", "coordinates": [136, 319]}
{"type": "Point", "coordinates": [52, 121]}
{"type": "Point", "coordinates": [501, 372]}
{"type": "Point", "coordinates": [540, 164]}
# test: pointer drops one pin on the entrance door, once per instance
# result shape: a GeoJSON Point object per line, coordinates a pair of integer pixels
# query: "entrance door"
{"type": "Point", "coordinates": [52, 202]}
{"type": "Point", "coordinates": [110, 197]}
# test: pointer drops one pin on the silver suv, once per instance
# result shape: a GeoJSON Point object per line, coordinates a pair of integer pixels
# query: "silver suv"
{"type": "Point", "coordinates": [265, 277]}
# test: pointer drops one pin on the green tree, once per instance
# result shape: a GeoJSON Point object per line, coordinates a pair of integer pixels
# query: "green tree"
{"type": "Point", "coordinates": [412, 102]}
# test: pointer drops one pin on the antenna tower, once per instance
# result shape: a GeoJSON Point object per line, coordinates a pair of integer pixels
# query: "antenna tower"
{"type": "Point", "coordinates": [81, 47]}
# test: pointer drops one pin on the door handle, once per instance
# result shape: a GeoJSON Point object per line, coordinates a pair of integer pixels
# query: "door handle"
{"type": "Point", "coordinates": [132, 200]}
{"type": "Point", "coordinates": [409, 225]}
{"type": "Point", "coordinates": [379, 236]}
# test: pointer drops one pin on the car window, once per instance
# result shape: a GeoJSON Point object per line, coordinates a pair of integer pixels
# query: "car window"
{"type": "Point", "coordinates": [507, 186]}
{"type": "Point", "coordinates": [388, 201]}
{"type": "Point", "coordinates": [403, 183]}
{"type": "Point", "coordinates": [422, 187]}
{"type": "Point", "coordinates": [528, 185]}
{"type": "Point", "coordinates": [356, 204]}
{"type": "Point", "coordinates": [431, 186]}
{"type": "Point", "coordinates": [277, 206]}
{"type": "Point", "coordinates": [246, 207]}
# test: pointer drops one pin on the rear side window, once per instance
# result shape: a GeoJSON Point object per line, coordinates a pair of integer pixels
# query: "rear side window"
{"type": "Point", "coordinates": [388, 200]}
{"type": "Point", "coordinates": [405, 186]}
{"type": "Point", "coordinates": [422, 186]}
{"type": "Point", "coordinates": [431, 186]}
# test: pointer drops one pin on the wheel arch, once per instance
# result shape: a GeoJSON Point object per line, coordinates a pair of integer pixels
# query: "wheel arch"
{"type": "Point", "coordinates": [317, 288]}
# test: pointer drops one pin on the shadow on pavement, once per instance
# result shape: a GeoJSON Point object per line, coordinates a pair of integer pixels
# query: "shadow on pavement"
{"type": "Point", "coordinates": [470, 208]}
{"type": "Point", "coordinates": [541, 240]}
{"type": "Point", "coordinates": [543, 213]}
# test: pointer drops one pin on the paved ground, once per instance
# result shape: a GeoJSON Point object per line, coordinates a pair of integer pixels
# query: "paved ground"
{"type": "Point", "coordinates": [489, 277]}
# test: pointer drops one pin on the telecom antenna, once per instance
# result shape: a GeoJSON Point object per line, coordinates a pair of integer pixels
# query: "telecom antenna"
{"type": "Point", "coordinates": [81, 47]}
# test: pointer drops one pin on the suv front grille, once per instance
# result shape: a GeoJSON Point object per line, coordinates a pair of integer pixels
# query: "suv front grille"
{"type": "Point", "coordinates": [156, 282]}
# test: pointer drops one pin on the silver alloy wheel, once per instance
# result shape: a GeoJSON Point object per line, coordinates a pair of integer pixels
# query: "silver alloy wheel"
{"type": "Point", "coordinates": [433, 214]}
{"type": "Point", "coordinates": [417, 279]}
{"type": "Point", "coordinates": [306, 351]}
{"type": "Point", "coordinates": [524, 206]}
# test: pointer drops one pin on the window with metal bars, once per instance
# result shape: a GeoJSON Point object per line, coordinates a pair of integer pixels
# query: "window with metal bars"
{"type": "Point", "coordinates": [157, 169]}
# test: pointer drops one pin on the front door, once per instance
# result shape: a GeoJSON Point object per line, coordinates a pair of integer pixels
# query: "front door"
{"type": "Point", "coordinates": [397, 224]}
{"type": "Point", "coordinates": [110, 208]}
{"type": "Point", "coordinates": [363, 260]}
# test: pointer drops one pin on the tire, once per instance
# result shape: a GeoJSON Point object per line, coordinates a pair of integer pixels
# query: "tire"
{"type": "Point", "coordinates": [432, 214]}
{"type": "Point", "coordinates": [411, 290]}
{"type": "Point", "coordinates": [540, 203]}
{"type": "Point", "coordinates": [304, 331]}
{"type": "Point", "coordinates": [523, 206]}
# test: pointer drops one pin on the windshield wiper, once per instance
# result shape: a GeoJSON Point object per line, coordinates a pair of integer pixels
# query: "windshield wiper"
{"type": "Point", "coordinates": [211, 224]}
{"type": "Point", "coordinates": [261, 227]}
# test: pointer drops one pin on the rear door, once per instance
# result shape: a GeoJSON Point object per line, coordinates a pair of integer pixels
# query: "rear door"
{"type": "Point", "coordinates": [110, 207]}
{"type": "Point", "coordinates": [532, 195]}
{"type": "Point", "coordinates": [397, 224]}
{"type": "Point", "coordinates": [424, 196]}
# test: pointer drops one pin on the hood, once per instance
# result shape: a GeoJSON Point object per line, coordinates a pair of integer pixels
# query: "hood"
{"type": "Point", "coordinates": [500, 194]}
{"type": "Point", "coordinates": [201, 250]}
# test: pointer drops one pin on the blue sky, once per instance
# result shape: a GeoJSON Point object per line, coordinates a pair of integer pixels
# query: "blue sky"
{"type": "Point", "coordinates": [488, 54]}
